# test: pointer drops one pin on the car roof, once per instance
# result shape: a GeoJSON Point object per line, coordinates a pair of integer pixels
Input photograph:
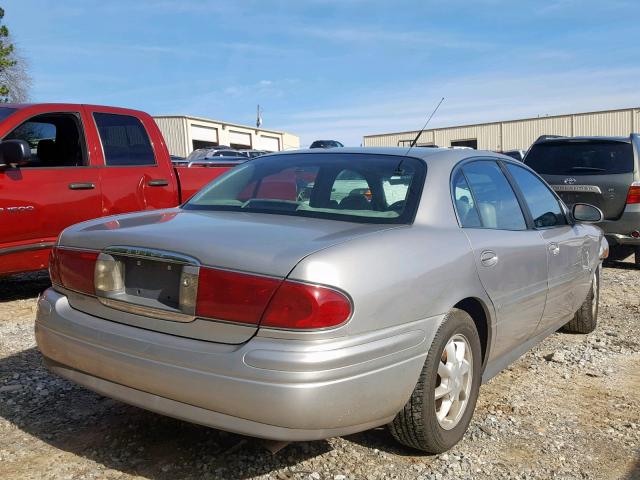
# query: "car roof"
{"type": "Point", "coordinates": [439, 155]}
{"type": "Point", "coordinates": [585, 139]}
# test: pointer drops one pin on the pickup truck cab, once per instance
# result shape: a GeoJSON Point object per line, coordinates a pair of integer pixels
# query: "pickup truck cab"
{"type": "Point", "coordinates": [62, 164]}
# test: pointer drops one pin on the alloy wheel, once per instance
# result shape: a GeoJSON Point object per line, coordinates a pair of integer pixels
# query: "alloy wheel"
{"type": "Point", "coordinates": [453, 382]}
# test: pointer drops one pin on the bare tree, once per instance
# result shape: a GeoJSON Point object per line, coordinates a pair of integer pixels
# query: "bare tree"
{"type": "Point", "coordinates": [15, 81]}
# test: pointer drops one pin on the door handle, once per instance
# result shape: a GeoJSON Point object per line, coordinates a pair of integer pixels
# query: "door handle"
{"type": "Point", "coordinates": [82, 186]}
{"type": "Point", "coordinates": [488, 258]}
{"type": "Point", "coordinates": [160, 182]}
{"type": "Point", "coordinates": [554, 248]}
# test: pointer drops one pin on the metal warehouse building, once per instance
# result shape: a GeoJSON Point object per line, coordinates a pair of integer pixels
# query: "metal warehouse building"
{"type": "Point", "coordinates": [516, 134]}
{"type": "Point", "coordinates": [184, 134]}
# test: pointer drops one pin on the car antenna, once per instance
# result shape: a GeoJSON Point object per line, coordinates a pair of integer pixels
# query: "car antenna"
{"type": "Point", "coordinates": [415, 140]}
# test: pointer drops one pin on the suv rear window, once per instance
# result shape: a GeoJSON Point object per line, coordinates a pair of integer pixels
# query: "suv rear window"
{"type": "Point", "coordinates": [351, 187]}
{"type": "Point", "coordinates": [581, 158]}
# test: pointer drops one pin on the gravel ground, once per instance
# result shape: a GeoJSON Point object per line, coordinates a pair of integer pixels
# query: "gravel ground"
{"type": "Point", "coordinates": [570, 408]}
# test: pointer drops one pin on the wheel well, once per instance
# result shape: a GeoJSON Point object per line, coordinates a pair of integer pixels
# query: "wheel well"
{"type": "Point", "coordinates": [476, 310]}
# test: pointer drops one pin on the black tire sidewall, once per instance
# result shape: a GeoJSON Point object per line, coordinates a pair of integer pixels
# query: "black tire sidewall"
{"type": "Point", "coordinates": [456, 322]}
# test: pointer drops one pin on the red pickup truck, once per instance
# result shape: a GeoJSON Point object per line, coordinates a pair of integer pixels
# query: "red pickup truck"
{"type": "Point", "coordinates": [62, 164]}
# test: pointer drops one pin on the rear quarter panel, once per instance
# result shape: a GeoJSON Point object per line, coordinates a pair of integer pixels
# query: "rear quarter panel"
{"type": "Point", "coordinates": [397, 276]}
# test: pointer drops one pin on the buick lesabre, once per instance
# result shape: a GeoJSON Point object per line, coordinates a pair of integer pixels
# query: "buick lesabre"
{"type": "Point", "coordinates": [310, 294]}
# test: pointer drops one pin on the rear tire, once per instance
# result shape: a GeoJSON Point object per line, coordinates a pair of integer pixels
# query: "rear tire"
{"type": "Point", "coordinates": [636, 258]}
{"type": "Point", "coordinates": [586, 318]}
{"type": "Point", "coordinates": [417, 424]}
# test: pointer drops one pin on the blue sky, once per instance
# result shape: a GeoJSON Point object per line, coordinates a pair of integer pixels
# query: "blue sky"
{"type": "Point", "coordinates": [334, 68]}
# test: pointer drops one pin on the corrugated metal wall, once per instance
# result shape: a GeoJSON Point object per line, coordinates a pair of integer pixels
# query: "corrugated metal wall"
{"type": "Point", "coordinates": [519, 134]}
{"type": "Point", "coordinates": [174, 131]}
{"type": "Point", "coordinates": [178, 136]}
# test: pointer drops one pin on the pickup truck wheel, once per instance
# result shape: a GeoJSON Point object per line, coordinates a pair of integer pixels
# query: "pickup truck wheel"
{"type": "Point", "coordinates": [586, 318]}
{"type": "Point", "coordinates": [442, 403]}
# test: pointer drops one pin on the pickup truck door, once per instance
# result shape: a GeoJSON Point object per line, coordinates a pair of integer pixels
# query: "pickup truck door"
{"type": "Point", "coordinates": [137, 173]}
{"type": "Point", "coordinates": [510, 257]}
{"type": "Point", "coordinates": [58, 187]}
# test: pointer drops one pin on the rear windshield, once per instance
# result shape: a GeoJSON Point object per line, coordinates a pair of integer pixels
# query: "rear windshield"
{"type": "Point", "coordinates": [581, 158]}
{"type": "Point", "coordinates": [351, 187]}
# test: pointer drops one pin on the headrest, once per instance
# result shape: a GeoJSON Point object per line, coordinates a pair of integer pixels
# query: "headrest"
{"type": "Point", "coordinates": [46, 151]}
{"type": "Point", "coordinates": [355, 202]}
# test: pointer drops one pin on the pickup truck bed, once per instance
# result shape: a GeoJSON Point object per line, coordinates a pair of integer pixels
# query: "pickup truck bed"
{"type": "Point", "coordinates": [86, 161]}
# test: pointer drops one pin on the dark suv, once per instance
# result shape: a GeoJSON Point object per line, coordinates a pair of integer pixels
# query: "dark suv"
{"type": "Point", "coordinates": [602, 171]}
{"type": "Point", "coordinates": [326, 144]}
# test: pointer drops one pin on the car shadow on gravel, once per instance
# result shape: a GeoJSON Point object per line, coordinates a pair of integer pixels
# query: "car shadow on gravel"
{"type": "Point", "coordinates": [381, 439]}
{"type": "Point", "coordinates": [126, 438]}
{"type": "Point", "coordinates": [23, 286]}
{"type": "Point", "coordinates": [620, 265]}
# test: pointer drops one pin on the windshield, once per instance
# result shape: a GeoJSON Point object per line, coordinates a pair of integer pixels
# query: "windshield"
{"type": "Point", "coordinates": [6, 111]}
{"type": "Point", "coordinates": [352, 187]}
{"type": "Point", "coordinates": [581, 158]}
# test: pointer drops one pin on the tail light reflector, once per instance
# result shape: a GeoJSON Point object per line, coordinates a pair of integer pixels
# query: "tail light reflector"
{"type": "Point", "coordinates": [634, 193]}
{"type": "Point", "coordinates": [301, 306]}
{"type": "Point", "coordinates": [73, 269]}
{"type": "Point", "coordinates": [269, 302]}
{"type": "Point", "coordinates": [233, 296]}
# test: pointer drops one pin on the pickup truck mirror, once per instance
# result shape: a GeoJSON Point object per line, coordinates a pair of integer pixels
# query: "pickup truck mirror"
{"type": "Point", "coordinates": [583, 212]}
{"type": "Point", "coordinates": [14, 153]}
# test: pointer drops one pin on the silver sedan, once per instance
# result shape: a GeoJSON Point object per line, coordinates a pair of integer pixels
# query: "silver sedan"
{"type": "Point", "coordinates": [310, 294]}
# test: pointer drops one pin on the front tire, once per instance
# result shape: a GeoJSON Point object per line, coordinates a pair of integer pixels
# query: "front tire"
{"type": "Point", "coordinates": [441, 406]}
{"type": "Point", "coordinates": [586, 318]}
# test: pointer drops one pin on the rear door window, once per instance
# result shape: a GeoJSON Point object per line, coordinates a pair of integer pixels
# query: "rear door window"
{"type": "Point", "coordinates": [495, 199]}
{"type": "Point", "coordinates": [124, 140]}
{"type": "Point", "coordinates": [465, 205]}
{"type": "Point", "coordinates": [581, 158]}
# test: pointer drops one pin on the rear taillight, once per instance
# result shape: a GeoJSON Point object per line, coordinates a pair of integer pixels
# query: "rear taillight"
{"type": "Point", "coordinates": [244, 298]}
{"type": "Point", "coordinates": [634, 193]}
{"type": "Point", "coordinates": [233, 296]}
{"type": "Point", "coordinates": [73, 269]}
{"type": "Point", "coordinates": [302, 306]}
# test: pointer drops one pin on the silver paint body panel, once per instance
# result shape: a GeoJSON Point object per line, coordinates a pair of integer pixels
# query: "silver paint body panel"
{"type": "Point", "coordinates": [290, 385]}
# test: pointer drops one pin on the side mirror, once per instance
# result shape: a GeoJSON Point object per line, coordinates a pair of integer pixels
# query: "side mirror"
{"type": "Point", "coordinates": [14, 153]}
{"type": "Point", "coordinates": [583, 212]}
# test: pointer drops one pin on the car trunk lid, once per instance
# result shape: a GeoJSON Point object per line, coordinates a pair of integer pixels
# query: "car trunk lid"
{"type": "Point", "coordinates": [607, 192]}
{"type": "Point", "coordinates": [157, 250]}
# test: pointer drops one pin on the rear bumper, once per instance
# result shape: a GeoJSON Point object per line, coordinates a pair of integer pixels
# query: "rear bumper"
{"type": "Point", "coordinates": [271, 388]}
{"type": "Point", "coordinates": [618, 232]}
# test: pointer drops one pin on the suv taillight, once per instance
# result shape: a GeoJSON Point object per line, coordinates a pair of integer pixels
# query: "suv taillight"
{"type": "Point", "coordinates": [634, 193]}
{"type": "Point", "coordinates": [73, 269]}
{"type": "Point", "coordinates": [269, 302]}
